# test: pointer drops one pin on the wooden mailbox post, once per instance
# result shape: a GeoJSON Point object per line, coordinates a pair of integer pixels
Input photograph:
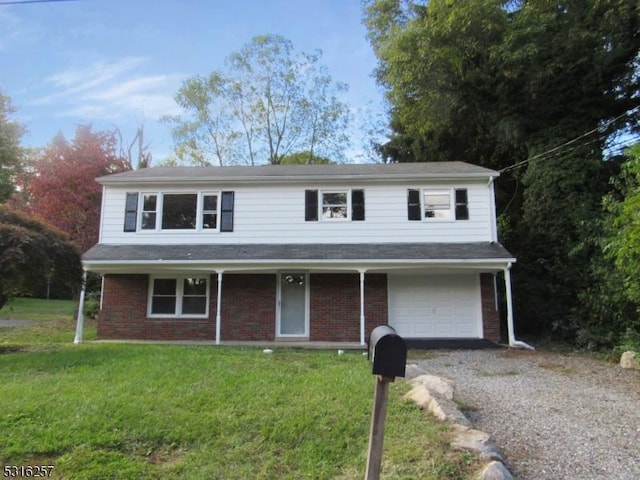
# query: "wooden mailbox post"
{"type": "Point", "coordinates": [388, 355]}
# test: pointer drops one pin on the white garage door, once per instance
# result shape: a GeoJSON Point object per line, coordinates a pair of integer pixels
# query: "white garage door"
{"type": "Point", "coordinates": [435, 306]}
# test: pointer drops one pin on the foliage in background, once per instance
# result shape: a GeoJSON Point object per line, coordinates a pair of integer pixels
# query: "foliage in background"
{"type": "Point", "coordinates": [32, 252]}
{"type": "Point", "coordinates": [11, 154]}
{"type": "Point", "coordinates": [62, 186]}
{"type": "Point", "coordinates": [269, 102]}
{"type": "Point", "coordinates": [530, 88]}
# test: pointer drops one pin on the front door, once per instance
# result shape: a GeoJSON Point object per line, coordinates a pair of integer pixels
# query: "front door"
{"type": "Point", "coordinates": [292, 303]}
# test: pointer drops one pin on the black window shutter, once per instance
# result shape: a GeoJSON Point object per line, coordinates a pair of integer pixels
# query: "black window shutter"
{"type": "Point", "coordinates": [226, 212]}
{"type": "Point", "coordinates": [413, 205]}
{"type": "Point", "coordinates": [311, 205]}
{"type": "Point", "coordinates": [131, 212]}
{"type": "Point", "coordinates": [462, 207]}
{"type": "Point", "coordinates": [357, 204]}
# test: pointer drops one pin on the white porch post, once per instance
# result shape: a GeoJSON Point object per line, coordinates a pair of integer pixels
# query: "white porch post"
{"type": "Point", "coordinates": [218, 306]}
{"type": "Point", "coordinates": [362, 319]}
{"type": "Point", "coordinates": [80, 319]}
{"type": "Point", "coordinates": [512, 336]}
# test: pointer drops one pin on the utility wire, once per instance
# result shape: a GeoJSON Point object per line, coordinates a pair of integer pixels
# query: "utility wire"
{"type": "Point", "coordinates": [566, 144]}
{"type": "Point", "coordinates": [19, 2]}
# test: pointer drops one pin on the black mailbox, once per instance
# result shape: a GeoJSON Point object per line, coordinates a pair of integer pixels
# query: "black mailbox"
{"type": "Point", "coordinates": [388, 352]}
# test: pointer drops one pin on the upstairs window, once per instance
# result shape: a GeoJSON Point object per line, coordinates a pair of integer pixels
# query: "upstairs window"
{"type": "Point", "coordinates": [179, 211]}
{"type": "Point", "coordinates": [209, 211]}
{"type": "Point", "coordinates": [149, 211]}
{"type": "Point", "coordinates": [437, 204]}
{"type": "Point", "coordinates": [334, 205]}
{"type": "Point", "coordinates": [159, 211]}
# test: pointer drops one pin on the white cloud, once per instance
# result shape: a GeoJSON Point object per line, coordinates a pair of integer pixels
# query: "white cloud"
{"type": "Point", "coordinates": [111, 90]}
{"type": "Point", "coordinates": [81, 79]}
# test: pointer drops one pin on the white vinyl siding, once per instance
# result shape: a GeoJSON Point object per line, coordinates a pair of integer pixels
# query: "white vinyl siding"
{"type": "Point", "coordinates": [276, 214]}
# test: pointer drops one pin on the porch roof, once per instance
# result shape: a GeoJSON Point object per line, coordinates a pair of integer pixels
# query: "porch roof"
{"type": "Point", "coordinates": [369, 254]}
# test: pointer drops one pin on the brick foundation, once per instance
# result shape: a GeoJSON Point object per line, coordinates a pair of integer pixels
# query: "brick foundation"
{"type": "Point", "coordinates": [335, 306]}
{"type": "Point", "coordinates": [124, 314]}
{"type": "Point", "coordinates": [248, 307]}
{"type": "Point", "coordinates": [490, 315]}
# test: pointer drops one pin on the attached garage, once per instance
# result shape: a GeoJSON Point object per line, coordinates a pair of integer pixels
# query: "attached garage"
{"type": "Point", "coordinates": [435, 306]}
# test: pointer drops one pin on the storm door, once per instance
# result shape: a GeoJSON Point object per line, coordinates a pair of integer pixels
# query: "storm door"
{"type": "Point", "coordinates": [293, 293]}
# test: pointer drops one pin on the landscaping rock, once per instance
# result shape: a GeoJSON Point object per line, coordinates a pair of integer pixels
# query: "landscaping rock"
{"type": "Point", "coordinates": [442, 386]}
{"type": "Point", "coordinates": [481, 443]}
{"type": "Point", "coordinates": [494, 471]}
{"type": "Point", "coordinates": [412, 371]}
{"type": "Point", "coordinates": [630, 360]}
{"type": "Point", "coordinates": [440, 405]}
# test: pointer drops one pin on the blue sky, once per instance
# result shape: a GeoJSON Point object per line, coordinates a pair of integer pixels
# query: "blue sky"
{"type": "Point", "coordinates": [119, 62]}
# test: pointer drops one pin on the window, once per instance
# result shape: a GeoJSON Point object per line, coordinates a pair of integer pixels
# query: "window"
{"type": "Point", "coordinates": [209, 211]}
{"type": "Point", "coordinates": [149, 211]}
{"type": "Point", "coordinates": [180, 211]}
{"type": "Point", "coordinates": [164, 296]}
{"type": "Point", "coordinates": [334, 205]}
{"type": "Point", "coordinates": [179, 297]}
{"type": "Point", "coordinates": [438, 204]}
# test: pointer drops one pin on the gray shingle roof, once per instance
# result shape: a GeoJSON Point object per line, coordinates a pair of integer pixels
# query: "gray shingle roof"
{"type": "Point", "coordinates": [297, 252]}
{"type": "Point", "coordinates": [300, 172]}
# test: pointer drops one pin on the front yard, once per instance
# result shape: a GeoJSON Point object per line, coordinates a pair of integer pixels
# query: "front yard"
{"type": "Point", "coordinates": [98, 411]}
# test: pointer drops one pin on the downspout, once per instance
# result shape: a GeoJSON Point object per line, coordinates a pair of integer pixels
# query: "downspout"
{"type": "Point", "coordinates": [80, 319]}
{"type": "Point", "coordinates": [362, 319]}
{"type": "Point", "coordinates": [512, 337]}
{"type": "Point", "coordinates": [218, 306]}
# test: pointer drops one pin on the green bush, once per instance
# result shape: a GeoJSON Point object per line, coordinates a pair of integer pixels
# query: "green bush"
{"type": "Point", "coordinates": [91, 308]}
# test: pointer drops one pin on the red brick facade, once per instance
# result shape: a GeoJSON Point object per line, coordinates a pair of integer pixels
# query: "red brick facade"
{"type": "Point", "coordinates": [124, 314]}
{"type": "Point", "coordinates": [248, 307]}
{"type": "Point", "coordinates": [335, 306]}
{"type": "Point", "coordinates": [490, 313]}
{"type": "Point", "coordinates": [248, 311]}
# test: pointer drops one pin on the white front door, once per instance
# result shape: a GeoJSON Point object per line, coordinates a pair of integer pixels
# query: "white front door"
{"type": "Point", "coordinates": [293, 305]}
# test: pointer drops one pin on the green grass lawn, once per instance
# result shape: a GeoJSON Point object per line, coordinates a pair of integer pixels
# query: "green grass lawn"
{"type": "Point", "coordinates": [55, 322]}
{"type": "Point", "coordinates": [117, 411]}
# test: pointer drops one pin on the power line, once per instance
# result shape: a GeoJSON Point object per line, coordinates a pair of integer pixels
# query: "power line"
{"type": "Point", "coordinates": [538, 156]}
{"type": "Point", "coordinates": [20, 2]}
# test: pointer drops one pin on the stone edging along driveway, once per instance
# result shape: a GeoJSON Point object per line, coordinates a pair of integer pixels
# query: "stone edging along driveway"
{"type": "Point", "coordinates": [551, 416]}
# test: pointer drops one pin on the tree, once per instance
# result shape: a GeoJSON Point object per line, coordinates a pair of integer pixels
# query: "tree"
{"type": "Point", "coordinates": [136, 152]}
{"type": "Point", "coordinates": [62, 188]}
{"type": "Point", "coordinates": [32, 251]}
{"type": "Point", "coordinates": [304, 158]}
{"type": "Point", "coordinates": [506, 84]}
{"type": "Point", "coordinates": [10, 151]}
{"type": "Point", "coordinates": [623, 245]}
{"type": "Point", "coordinates": [269, 102]}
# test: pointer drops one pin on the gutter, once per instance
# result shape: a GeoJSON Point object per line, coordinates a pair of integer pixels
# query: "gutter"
{"type": "Point", "coordinates": [512, 337]}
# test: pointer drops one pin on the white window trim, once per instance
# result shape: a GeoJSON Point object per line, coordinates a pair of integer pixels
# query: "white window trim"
{"type": "Point", "coordinates": [159, 207]}
{"type": "Point", "coordinates": [321, 194]}
{"type": "Point", "coordinates": [179, 296]}
{"type": "Point", "coordinates": [452, 205]}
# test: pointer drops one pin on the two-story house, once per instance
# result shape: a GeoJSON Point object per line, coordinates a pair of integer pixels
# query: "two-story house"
{"type": "Point", "coordinates": [310, 253]}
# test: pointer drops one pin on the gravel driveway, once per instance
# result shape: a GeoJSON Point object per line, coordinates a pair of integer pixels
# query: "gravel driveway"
{"type": "Point", "coordinates": [553, 416]}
